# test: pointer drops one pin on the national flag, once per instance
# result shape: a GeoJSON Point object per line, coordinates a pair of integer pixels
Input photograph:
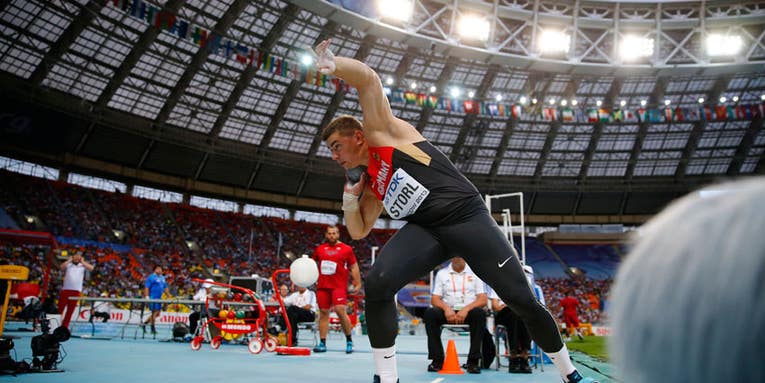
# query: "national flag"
{"type": "Point", "coordinates": [517, 111]}
{"type": "Point", "coordinates": [720, 112]}
{"type": "Point", "coordinates": [654, 115]}
{"type": "Point", "coordinates": [740, 114]}
{"type": "Point", "coordinates": [567, 115]}
{"type": "Point", "coordinates": [470, 107]}
{"type": "Point", "coordinates": [603, 115]}
{"type": "Point", "coordinates": [398, 95]}
{"type": "Point", "coordinates": [592, 115]}
{"type": "Point", "coordinates": [501, 110]}
{"type": "Point", "coordinates": [730, 112]}
{"type": "Point", "coordinates": [421, 97]}
{"type": "Point", "coordinates": [432, 101]}
{"type": "Point", "coordinates": [492, 109]}
{"type": "Point", "coordinates": [642, 115]}
{"type": "Point", "coordinates": [668, 114]}
{"type": "Point", "coordinates": [618, 115]}
{"type": "Point", "coordinates": [550, 114]}
{"type": "Point", "coordinates": [410, 97]}
{"type": "Point", "coordinates": [679, 114]}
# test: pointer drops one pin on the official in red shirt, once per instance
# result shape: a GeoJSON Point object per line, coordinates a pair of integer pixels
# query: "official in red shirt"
{"type": "Point", "coordinates": [335, 259]}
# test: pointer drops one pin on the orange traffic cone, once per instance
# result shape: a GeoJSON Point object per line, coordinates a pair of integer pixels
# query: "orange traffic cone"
{"type": "Point", "coordinates": [452, 363]}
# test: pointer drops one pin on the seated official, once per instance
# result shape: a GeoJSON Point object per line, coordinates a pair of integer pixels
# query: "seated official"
{"type": "Point", "coordinates": [101, 310]}
{"type": "Point", "coordinates": [301, 307]}
{"type": "Point", "coordinates": [458, 297]}
{"type": "Point", "coordinates": [201, 296]}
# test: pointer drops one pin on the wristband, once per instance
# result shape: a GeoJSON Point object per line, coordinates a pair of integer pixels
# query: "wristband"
{"type": "Point", "coordinates": [350, 202]}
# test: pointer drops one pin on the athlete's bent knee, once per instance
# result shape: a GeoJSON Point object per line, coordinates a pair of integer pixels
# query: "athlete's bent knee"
{"type": "Point", "coordinates": [378, 286]}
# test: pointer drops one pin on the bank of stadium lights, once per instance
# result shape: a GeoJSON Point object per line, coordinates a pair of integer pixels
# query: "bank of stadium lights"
{"type": "Point", "coordinates": [635, 47]}
{"type": "Point", "coordinates": [455, 92]}
{"type": "Point", "coordinates": [667, 102]}
{"type": "Point", "coordinates": [762, 97]}
{"type": "Point", "coordinates": [598, 103]}
{"type": "Point", "coordinates": [643, 102]}
{"type": "Point", "coordinates": [723, 99]}
{"type": "Point", "coordinates": [306, 60]}
{"type": "Point", "coordinates": [552, 101]}
{"type": "Point", "coordinates": [389, 81]}
{"type": "Point", "coordinates": [701, 100]}
{"type": "Point", "coordinates": [498, 97]}
{"type": "Point", "coordinates": [400, 10]}
{"type": "Point", "coordinates": [413, 85]}
{"type": "Point", "coordinates": [473, 27]}
{"type": "Point", "coordinates": [563, 102]}
{"type": "Point", "coordinates": [523, 100]}
{"type": "Point", "coordinates": [735, 98]}
{"type": "Point", "coordinates": [534, 101]}
{"type": "Point", "coordinates": [723, 45]}
{"type": "Point", "coordinates": [622, 103]}
{"type": "Point", "coordinates": [471, 94]}
{"type": "Point", "coordinates": [432, 89]}
{"type": "Point", "coordinates": [551, 41]}
{"type": "Point", "coordinates": [574, 102]}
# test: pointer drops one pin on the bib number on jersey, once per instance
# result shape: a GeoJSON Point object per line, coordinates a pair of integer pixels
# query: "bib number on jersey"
{"type": "Point", "coordinates": [404, 195]}
{"type": "Point", "coordinates": [328, 267]}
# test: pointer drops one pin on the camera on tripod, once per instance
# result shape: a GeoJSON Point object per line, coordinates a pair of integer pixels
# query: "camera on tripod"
{"type": "Point", "coordinates": [46, 347]}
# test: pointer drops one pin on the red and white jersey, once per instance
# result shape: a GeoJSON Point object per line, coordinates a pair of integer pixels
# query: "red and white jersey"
{"type": "Point", "coordinates": [334, 262]}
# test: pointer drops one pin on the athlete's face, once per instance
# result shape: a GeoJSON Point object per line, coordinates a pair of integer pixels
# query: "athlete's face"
{"type": "Point", "coordinates": [348, 151]}
{"type": "Point", "coordinates": [332, 235]}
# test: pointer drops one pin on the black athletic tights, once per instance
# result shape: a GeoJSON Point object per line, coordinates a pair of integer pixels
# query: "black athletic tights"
{"type": "Point", "coordinates": [416, 250]}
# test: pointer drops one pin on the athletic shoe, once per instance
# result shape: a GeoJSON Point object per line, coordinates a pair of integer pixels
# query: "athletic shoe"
{"type": "Point", "coordinates": [576, 377]}
{"type": "Point", "coordinates": [523, 366]}
{"type": "Point", "coordinates": [580, 336]}
{"type": "Point", "coordinates": [472, 367]}
{"type": "Point", "coordinates": [376, 379]}
{"type": "Point", "coordinates": [348, 347]}
{"type": "Point", "coordinates": [436, 366]}
{"type": "Point", "coordinates": [321, 347]}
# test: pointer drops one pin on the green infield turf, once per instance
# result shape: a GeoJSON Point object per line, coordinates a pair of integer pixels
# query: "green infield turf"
{"type": "Point", "coordinates": [594, 346]}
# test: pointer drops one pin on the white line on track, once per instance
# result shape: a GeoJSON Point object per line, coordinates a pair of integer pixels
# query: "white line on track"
{"type": "Point", "coordinates": [437, 380]}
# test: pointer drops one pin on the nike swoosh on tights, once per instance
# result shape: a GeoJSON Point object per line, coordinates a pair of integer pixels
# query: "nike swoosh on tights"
{"type": "Point", "coordinates": [388, 356]}
{"type": "Point", "coordinates": [503, 263]}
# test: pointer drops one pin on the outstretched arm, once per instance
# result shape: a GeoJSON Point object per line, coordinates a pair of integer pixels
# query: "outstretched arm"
{"type": "Point", "coordinates": [374, 104]}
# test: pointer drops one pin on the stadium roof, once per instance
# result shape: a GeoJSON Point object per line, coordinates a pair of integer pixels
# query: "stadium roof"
{"type": "Point", "coordinates": [215, 91]}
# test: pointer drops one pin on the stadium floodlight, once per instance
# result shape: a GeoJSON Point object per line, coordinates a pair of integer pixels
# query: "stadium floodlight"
{"type": "Point", "coordinates": [723, 45]}
{"type": "Point", "coordinates": [413, 85]}
{"type": "Point", "coordinates": [634, 47]}
{"type": "Point", "coordinates": [498, 97]}
{"type": "Point", "coordinates": [701, 100]}
{"type": "Point", "coordinates": [471, 94]}
{"type": "Point", "coordinates": [389, 80]}
{"type": "Point", "coordinates": [473, 27]}
{"type": "Point", "coordinates": [551, 41]}
{"type": "Point", "coordinates": [622, 102]}
{"type": "Point", "coordinates": [523, 100]}
{"type": "Point", "coordinates": [598, 103]}
{"type": "Point", "coordinates": [762, 97]}
{"type": "Point", "coordinates": [455, 92]}
{"type": "Point", "coordinates": [563, 102]}
{"type": "Point", "coordinates": [400, 10]}
{"type": "Point", "coordinates": [306, 59]}
{"type": "Point", "coordinates": [574, 102]}
{"type": "Point", "coordinates": [723, 99]}
{"type": "Point", "coordinates": [432, 89]}
{"type": "Point", "coordinates": [735, 98]}
{"type": "Point", "coordinates": [667, 102]}
{"type": "Point", "coordinates": [643, 102]}
{"type": "Point", "coordinates": [534, 101]}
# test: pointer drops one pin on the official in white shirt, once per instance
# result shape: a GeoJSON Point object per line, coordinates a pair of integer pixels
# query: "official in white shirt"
{"type": "Point", "coordinates": [458, 297]}
{"type": "Point", "coordinates": [301, 307]}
